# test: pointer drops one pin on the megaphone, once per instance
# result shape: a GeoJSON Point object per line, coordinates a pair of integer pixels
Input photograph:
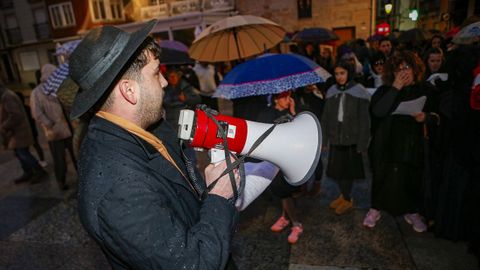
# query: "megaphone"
{"type": "Point", "coordinates": [294, 146]}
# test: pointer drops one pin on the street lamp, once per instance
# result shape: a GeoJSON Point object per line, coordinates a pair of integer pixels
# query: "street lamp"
{"type": "Point", "coordinates": [388, 8]}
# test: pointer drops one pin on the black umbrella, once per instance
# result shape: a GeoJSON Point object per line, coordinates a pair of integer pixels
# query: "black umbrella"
{"type": "Point", "coordinates": [175, 57]}
{"type": "Point", "coordinates": [315, 35]}
{"type": "Point", "coordinates": [413, 36]}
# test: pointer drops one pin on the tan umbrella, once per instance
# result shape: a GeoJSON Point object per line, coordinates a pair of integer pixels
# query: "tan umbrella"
{"type": "Point", "coordinates": [236, 37]}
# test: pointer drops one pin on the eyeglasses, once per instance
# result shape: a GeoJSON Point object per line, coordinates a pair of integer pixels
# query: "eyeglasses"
{"type": "Point", "coordinates": [405, 67]}
{"type": "Point", "coordinates": [378, 63]}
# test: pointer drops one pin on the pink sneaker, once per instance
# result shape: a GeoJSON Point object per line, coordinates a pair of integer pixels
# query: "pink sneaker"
{"type": "Point", "coordinates": [416, 221]}
{"type": "Point", "coordinates": [297, 230]}
{"type": "Point", "coordinates": [280, 224]}
{"type": "Point", "coordinates": [371, 218]}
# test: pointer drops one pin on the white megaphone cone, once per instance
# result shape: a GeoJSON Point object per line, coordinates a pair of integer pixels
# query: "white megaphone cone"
{"type": "Point", "coordinates": [294, 146]}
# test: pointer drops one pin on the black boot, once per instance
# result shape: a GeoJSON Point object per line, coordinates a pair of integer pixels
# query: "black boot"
{"type": "Point", "coordinates": [38, 175]}
{"type": "Point", "coordinates": [26, 176]}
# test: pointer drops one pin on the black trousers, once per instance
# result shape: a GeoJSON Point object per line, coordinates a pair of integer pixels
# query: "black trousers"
{"type": "Point", "coordinates": [57, 149]}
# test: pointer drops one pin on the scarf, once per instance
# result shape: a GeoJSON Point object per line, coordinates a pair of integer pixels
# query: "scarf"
{"type": "Point", "coordinates": [142, 133]}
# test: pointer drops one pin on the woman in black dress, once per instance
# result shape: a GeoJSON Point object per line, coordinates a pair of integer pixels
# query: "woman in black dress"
{"type": "Point", "coordinates": [397, 146]}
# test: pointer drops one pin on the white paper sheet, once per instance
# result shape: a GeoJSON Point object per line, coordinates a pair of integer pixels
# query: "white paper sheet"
{"type": "Point", "coordinates": [435, 76]}
{"type": "Point", "coordinates": [411, 107]}
{"type": "Point", "coordinates": [371, 91]}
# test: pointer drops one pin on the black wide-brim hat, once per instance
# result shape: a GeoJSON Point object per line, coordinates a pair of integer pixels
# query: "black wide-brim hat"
{"type": "Point", "coordinates": [97, 63]}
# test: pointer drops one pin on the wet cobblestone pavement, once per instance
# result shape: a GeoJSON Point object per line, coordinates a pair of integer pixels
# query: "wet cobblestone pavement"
{"type": "Point", "coordinates": [40, 229]}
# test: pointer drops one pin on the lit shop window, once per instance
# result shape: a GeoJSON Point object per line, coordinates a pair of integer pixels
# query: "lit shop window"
{"type": "Point", "coordinates": [106, 10]}
{"type": "Point", "coordinates": [62, 15]}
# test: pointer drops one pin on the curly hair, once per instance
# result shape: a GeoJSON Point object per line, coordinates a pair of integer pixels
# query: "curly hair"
{"type": "Point", "coordinates": [396, 60]}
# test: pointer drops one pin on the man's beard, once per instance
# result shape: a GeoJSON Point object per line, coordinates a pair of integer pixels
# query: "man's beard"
{"type": "Point", "coordinates": [150, 110]}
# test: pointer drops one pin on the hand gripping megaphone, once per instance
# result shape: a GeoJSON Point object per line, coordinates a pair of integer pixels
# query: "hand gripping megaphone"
{"type": "Point", "coordinates": [294, 146]}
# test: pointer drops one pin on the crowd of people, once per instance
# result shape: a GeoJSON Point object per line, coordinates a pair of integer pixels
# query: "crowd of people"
{"type": "Point", "coordinates": [424, 164]}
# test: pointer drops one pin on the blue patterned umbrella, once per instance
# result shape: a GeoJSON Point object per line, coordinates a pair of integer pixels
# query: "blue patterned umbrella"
{"type": "Point", "coordinates": [67, 48]}
{"type": "Point", "coordinates": [270, 74]}
{"type": "Point", "coordinates": [55, 79]}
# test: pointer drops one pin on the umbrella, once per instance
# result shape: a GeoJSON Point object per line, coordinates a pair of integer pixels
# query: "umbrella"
{"type": "Point", "coordinates": [270, 74]}
{"type": "Point", "coordinates": [175, 57]}
{"type": "Point", "coordinates": [468, 35]}
{"type": "Point", "coordinates": [173, 44]}
{"type": "Point", "coordinates": [53, 82]}
{"type": "Point", "coordinates": [315, 35]}
{"type": "Point", "coordinates": [452, 32]}
{"type": "Point", "coordinates": [375, 37]}
{"type": "Point", "coordinates": [67, 48]}
{"type": "Point", "coordinates": [414, 36]}
{"type": "Point", "coordinates": [236, 37]}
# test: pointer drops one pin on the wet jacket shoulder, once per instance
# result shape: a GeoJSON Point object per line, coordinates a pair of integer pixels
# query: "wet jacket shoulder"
{"type": "Point", "coordinates": [140, 209]}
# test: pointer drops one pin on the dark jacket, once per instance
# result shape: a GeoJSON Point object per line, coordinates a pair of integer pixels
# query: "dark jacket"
{"type": "Point", "coordinates": [399, 138]}
{"type": "Point", "coordinates": [141, 211]}
{"type": "Point", "coordinates": [355, 128]}
{"type": "Point", "coordinates": [14, 125]}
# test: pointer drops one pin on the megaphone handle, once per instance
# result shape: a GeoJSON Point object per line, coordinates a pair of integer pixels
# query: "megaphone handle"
{"type": "Point", "coordinates": [216, 155]}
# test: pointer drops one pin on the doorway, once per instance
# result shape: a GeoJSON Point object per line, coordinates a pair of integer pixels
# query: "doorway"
{"type": "Point", "coordinates": [344, 34]}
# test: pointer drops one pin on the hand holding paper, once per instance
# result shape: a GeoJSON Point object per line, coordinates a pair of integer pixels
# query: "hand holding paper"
{"type": "Point", "coordinates": [435, 76]}
{"type": "Point", "coordinates": [411, 107]}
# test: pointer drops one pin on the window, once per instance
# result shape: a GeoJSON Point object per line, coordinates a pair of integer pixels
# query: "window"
{"type": "Point", "coordinates": [156, 2]}
{"type": "Point", "coordinates": [106, 10]}
{"type": "Point", "coordinates": [62, 15]}
{"type": "Point", "coordinates": [304, 8]}
{"type": "Point", "coordinates": [11, 20]}
{"type": "Point", "coordinates": [39, 15]}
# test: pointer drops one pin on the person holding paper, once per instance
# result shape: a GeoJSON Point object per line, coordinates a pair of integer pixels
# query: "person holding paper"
{"type": "Point", "coordinates": [397, 145]}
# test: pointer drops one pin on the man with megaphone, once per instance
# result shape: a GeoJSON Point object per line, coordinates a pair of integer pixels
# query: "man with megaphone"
{"type": "Point", "coordinates": [136, 198]}
{"type": "Point", "coordinates": [139, 200]}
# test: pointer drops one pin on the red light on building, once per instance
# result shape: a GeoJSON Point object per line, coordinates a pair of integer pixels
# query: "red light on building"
{"type": "Point", "coordinates": [383, 29]}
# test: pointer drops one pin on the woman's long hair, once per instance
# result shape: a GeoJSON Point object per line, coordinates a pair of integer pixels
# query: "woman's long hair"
{"type": "Point", "coordinates": [427, 55]}
{"type": "Point", "coordinates": [398, 58]}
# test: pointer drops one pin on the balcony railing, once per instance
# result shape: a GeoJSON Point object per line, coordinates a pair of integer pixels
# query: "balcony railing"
{"type": "Point", "coordinates": [14, 36]}
{"type": "Point", "coordinates": [218, 4]}
{"type": "Point", "coordinates": [42, 31]}
{"type": "Point", "coordinates": [178, 7]}
{"type": "Point", "coordinates": [184, 6]}
{"type": "Point", "coordinates": [156, 11]}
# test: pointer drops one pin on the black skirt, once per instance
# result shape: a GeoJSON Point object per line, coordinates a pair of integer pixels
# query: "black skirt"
{"type": "Point", "coordinates": [345, 163]}
{"type": "Point", "coordinates": [281, 188]}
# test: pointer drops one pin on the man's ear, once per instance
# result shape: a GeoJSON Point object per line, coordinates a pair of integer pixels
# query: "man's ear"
{"type": "Point", "coordinates": [128, 89]}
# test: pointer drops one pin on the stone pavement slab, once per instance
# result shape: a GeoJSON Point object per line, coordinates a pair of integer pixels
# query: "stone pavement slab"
{"type": "Point", "coordinates": [17, 212]}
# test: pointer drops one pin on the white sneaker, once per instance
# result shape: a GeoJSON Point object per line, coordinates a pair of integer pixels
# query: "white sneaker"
{"type": "Point", "coordinates": [371, 218]}
{"type": "Point", "coordinates": [416, 221]}
{"type": "Point", "coordinates": [43, 163]}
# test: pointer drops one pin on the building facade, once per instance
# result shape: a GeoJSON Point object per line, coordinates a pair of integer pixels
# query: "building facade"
{"type": "Point", "coordinates": [25, 40]}
{"type": "Point", "coordinates": [349, 19]}
{"type": "Point", "coordinates": [32, 29]}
